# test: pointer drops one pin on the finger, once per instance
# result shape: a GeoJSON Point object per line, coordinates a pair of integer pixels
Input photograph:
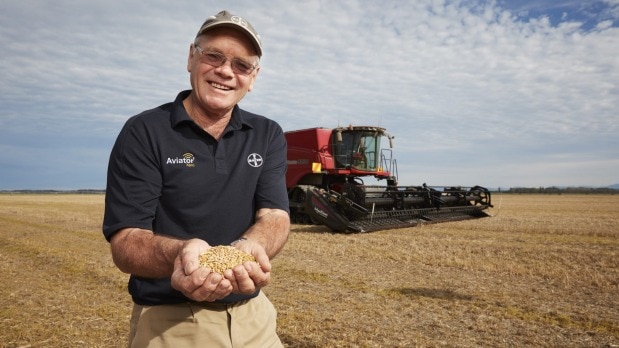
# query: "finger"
{"type": "Point", "coordinates": [178, 275]}
{"type": "Point", "coordinates": [224, 288]}
{"type": "Point", "coordinates": [229, 274]}
{"type": "Point", "coordinates": [257, 251]}
{"type": "Point", "coordinates": [264, 262]}
{"type": "Point", "coordinates": [205, 289]}
{"type": "Point", "coordinates": [244, 283]}
{"type": "Point", "coordinates": [259, 277]}
{"type": "Point", "coordinates": [216, 287]}
{"type": "Point", "coordinates": [190, 254]}
{"type": "Point", "coordinates": [187, 283]}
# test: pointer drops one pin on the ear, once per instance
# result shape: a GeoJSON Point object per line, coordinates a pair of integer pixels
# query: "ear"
{"type": "Point", "coordinates": [253, 79]}
{"type": "Point", "coordinates": [190, 57]}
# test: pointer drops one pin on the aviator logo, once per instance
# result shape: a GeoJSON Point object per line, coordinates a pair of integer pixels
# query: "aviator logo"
{"type": "Point", "coordinates": [187, 159]}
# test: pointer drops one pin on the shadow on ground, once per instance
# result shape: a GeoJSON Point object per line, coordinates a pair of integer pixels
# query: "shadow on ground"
{"type": "Point", "coordinates": [445, 294]}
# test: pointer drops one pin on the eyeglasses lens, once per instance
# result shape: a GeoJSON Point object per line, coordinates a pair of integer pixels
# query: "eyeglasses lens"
{"type": "Point", "coordinates": [217, 59]}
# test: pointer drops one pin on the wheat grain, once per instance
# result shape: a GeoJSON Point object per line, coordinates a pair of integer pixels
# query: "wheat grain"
{"type": "Point", "coordinates": [223, 257]}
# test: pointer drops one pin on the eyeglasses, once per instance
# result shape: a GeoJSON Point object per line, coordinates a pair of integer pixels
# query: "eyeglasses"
{"type": "Point", "coordinates": [218, 59]}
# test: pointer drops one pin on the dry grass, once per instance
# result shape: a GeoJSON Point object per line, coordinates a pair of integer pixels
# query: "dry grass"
{"type": "Point", "coordinates": [543, 272]}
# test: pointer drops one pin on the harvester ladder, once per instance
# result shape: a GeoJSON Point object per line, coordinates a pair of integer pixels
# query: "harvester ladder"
{"type": "Point", "coordinates": [389, 164]}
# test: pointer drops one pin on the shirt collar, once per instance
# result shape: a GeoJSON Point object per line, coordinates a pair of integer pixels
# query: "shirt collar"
{"type": "Point", "coordinates": [180, 115]}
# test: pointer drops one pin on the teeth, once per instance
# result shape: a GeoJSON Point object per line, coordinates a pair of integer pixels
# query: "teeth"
{"type": "Point", "coordinates": [218, 86]}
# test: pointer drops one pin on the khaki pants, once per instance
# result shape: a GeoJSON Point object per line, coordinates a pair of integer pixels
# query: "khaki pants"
{"type": "Point", "coordinates": [245, 324]}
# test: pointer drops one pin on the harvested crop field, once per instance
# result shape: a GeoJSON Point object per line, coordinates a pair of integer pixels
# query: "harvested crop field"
{"type": "Point", "coordinates": [543, 272]}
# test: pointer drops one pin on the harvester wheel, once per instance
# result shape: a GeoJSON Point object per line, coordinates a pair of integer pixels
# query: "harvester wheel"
{"type": "Point", "coordinates": [298, 195]}
{"type": "Point", "coordinates": [305, 219]}
{"type": "Point", "coordinates": [482, 193]}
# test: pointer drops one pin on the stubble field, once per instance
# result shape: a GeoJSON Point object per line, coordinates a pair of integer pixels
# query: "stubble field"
{"type": "Point", "coordinates": [543, 272]}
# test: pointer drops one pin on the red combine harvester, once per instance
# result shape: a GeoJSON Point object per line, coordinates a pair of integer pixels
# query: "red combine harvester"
{"type": "Point", "coordinates": [325, 184]}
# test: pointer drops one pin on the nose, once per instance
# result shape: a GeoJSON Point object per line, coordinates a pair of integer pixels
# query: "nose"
{"type": "Point", "coordinates": [225, 69]}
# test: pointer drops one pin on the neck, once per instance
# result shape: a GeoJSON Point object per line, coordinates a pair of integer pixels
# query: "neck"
{"type": "Point", "coordinates": [212, 124]}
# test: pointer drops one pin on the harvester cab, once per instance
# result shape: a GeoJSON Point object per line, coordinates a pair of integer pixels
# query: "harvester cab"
{"type": "Point", "coordinates": [360, 150]}
{"type": "Point", "coordinates": [326, 168]}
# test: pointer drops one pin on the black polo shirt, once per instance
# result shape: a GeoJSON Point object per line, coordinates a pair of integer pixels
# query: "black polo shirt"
{"type": "Point", "coordinates": [167, 175]}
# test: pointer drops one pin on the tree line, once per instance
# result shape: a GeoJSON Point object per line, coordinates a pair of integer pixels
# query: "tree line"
{"type": "Point", "coordinates": [553, 190]}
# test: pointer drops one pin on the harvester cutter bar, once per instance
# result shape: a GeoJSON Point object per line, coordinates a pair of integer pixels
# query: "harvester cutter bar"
{"type": "Point", "coordinates": [393, 219]}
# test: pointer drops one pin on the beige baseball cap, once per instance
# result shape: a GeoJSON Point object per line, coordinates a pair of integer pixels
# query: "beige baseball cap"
{"type": "Point", "coordinates": [227, 19]}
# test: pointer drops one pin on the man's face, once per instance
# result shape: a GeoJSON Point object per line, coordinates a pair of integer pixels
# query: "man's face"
{"type": "Point", "coordinates": [218, 89]}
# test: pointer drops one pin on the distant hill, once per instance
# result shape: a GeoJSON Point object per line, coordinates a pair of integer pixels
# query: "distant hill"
{"type": "Point", "coordinates": [80, 191]}
{"type": "Point", "coordinates": [615, 186]}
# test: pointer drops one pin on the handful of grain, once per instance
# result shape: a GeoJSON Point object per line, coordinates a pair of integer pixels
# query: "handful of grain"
{"type": "Point", "coordinates": [223, 257]}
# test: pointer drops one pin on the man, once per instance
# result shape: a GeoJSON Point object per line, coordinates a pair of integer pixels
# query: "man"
{"type": "Point", "coordinates": [193, 174]}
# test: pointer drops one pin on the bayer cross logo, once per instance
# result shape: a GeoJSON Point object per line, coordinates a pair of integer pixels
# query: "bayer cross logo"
{"type": "Point", "coordinates": [254, 160]}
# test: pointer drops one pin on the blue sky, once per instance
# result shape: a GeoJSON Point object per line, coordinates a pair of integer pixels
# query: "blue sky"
{"type": "Point", "coordinates": [491, 93]}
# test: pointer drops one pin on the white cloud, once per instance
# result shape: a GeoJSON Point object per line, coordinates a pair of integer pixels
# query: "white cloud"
{"type": "Point", "coordinates": [455, 82]}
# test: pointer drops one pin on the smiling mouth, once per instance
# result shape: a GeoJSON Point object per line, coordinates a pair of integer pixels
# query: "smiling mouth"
{"type": "Point", "coordinates": [221, 87]}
